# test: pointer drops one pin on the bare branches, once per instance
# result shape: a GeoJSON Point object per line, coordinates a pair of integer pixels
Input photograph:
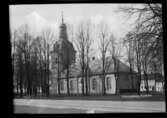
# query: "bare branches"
{"type": "Point", "coordinates": [104, 42]}
{"type": "Point", "coordinates": [149, 29]}
{"type": "Point", "coordinates": [33, 59]}
{"type": "Point", "coordinates": [83, 44]}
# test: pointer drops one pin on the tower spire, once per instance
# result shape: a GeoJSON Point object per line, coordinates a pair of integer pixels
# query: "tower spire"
{"type": "Point", "coordinates": [62, 17]}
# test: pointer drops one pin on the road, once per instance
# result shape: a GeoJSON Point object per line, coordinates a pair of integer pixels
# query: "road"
{"type": "Point", "coordinates": [95, 106]}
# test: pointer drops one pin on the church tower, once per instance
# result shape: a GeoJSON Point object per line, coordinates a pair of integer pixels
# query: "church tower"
{"type": "Point", "coordinates": [63, 30]}
{"type": "Point", "coordinates": [63, 49]}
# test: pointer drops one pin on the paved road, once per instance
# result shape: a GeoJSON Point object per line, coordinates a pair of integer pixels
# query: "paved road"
{"type": "Point", "coordinates": [96, 106]}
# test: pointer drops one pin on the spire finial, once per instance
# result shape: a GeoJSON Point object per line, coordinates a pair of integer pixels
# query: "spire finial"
{"type": "Point", "coordinates": [62, 17]}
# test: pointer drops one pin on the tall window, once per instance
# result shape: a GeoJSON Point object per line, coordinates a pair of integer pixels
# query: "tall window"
{"type": "Point", "coordinates": [108, 83]}
{"type": "Point", "coordinates": [62, 85]}
{"type": "Point", "coordinates": [94, 84]}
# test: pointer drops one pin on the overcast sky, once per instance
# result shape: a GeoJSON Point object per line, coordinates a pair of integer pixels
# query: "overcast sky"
{"type": "Point", "coordinates": [39, 17]}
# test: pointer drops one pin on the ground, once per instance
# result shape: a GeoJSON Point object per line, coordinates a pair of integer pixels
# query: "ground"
{"type": "Point", "coordinates": [30, 109]}
{"type": "Point", "coordinates": [85, 106]}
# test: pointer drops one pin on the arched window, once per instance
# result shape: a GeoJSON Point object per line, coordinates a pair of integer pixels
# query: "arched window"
{"type": "Point", "coordinates": [94, 84]}
{"type": "Point", "coordinates": [108, 83]}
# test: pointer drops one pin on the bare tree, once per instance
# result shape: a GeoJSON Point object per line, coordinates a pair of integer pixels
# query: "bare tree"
{"type": "Point", "coordinates": [150, 20]}
{"type": "Point", "coordinates": [138, 54]}
{"type": "Point", "coordinates": [83, 44]}
{"type": "Point", "coordinates": [71, 37]}
{"type": "Point", "coordinates": [56, 61]}
{"type": "Point", "coordinates": [68, 59]}
{"type": "Point", "coordinates": [23, 57]}
{"type": "Point", "coordinates": [40, 56]}
{"type": "Point", "coordinates": [47, 37]}
{"type": "Point", "coordinates": [32, 59]}
{"type": "Point", "coordinates": [66, 53]}
{"type": "Point", "coordinates": [103, 47]}
{"type": "Point", "coordinates": [115, 51]}
{"type": "Point", "coordinates": [89, 40]}
{"type": "Point", "coordinates": [13, 37]}
{"type": "Point", "coordinates": [35, 66]}
{"type": "Point", "coordinates": [80, 43]}
{"type": "Point", "coordinates": [147, 35]}
{"type": "Point", "coordinates": [128, 42]}
{"type": "Point", "coordinates": [20, 67]}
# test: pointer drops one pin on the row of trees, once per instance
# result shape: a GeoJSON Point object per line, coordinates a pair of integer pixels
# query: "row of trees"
{"type": "Point", "coordinates": [83, 45]}
{"type": "Point", "coordinates": [31, 55]}
{"type": "Point", "coordinates": [87, 34]}
{"type": "Point", "coordinates": [145, 43]}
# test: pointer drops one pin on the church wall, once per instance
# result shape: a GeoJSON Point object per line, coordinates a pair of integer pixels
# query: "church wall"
{"type": "Point", "coordinates": [79, 85]}
{"type": "Point", "coordinates": [142, 86]}
{"type": "Point", "coordinates": [74, 87]}
{"type": "Point", "coordinates": [54, 87]}
{"type": "Point", "coordinates": [63, 91]}
{"type": "Point", "coordinates": [124, 81]}
{"type": "Point", "coordinates": [159, 86]}
{"type": "Point", "coordinates": [153, 85]}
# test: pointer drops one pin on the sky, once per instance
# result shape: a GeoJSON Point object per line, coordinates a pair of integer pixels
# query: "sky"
{"type": "Point", "coordinates": [39, 17]}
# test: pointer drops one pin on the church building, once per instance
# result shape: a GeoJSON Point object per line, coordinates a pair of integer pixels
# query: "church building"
{"type": "Point", "coordinates": [115, 81]}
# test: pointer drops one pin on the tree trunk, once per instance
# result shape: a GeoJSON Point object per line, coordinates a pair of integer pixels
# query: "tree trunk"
{"type": "Point", "coordinates": [58, 75]}
{"type": "Point", "coordinates": [58, 85]}
{"type": "Point", "coordinates": [68, 92]}
{"type": "Point", "coordinates": [131, 76]}
{"type": "Point", "coordinates": [21, 89]}
{"type": "Point", "coordinates": [139, 82]}
{"type": "Point", "coordinates": [82, 81]}
{"type": "Point", "coordinates": [103, 84]}
{"type": "Point", "coordinates": [103, 78]}
{"type": "Point", "coordinates": [116, 88]}
{"type": "Point", "coordinates": [86, 82]}
{"type": "Point", "coordinates": [146, 78]}
{"type": "Point", "coordinates": [77, 87]}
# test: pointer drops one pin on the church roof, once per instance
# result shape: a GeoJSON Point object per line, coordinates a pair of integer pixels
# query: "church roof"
{"type": "Point", "coordinates": [96, 68]}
